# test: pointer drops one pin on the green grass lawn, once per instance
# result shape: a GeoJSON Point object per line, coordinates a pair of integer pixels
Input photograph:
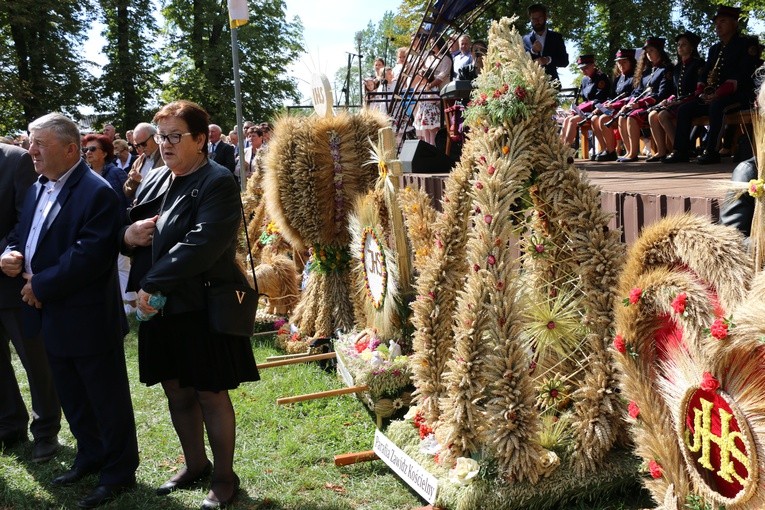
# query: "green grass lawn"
{"type": "Point", "coordinates": [284, 454]}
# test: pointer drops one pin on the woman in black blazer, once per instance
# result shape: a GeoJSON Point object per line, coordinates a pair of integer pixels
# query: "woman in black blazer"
{"type": "Point", "coordinates": [187, 240]}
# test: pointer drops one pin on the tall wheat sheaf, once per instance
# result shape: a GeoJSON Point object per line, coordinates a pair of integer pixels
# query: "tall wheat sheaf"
{"type": "Point", "coordinates": [493, 328]}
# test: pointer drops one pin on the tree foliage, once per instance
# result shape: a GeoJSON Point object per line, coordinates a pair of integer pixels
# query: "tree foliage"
{"type": "Point", "coordinates": [43, 69]}
{"type": "Point", "coordinates": [128, 81]}
{"type": "Point", "coordinates": [198, 62]}
{"type": "Point", "coordinates": [378, 40]}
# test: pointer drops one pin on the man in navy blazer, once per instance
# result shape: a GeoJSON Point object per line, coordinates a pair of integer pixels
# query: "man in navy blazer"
{"type": "Point", "coordinates": [16, 176]}
{"type": "Point", "coordinates": [546, 47]}
{"type": "Point", "coordinates": [219, 151]}
{"type": "Point", "coordinates": [65, 247]}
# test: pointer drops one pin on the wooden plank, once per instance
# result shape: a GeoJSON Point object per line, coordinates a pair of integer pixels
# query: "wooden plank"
{"type": "Point", "coordinates": [302, 359]}
{"type": "Point", "coordinates": [322, 394]}
{"type": "Point", "coordinates": [632, 215]}
{"type": "Point", "coordinates": [347, 459]}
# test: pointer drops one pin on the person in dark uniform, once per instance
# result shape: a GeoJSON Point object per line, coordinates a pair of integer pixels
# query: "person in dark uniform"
{"type": "Point", "coordinates": [594, 89]}
{"type": "Point", "coordinates": [726, 85]}
{"type": "Point", "coordinates": [653, 83]}
{"type": "Point", "coordinates": [545, 46]}
{"type": "Point", "coordinates": [663, 117]}
{"type": "Point", "coordinates": [624, 71]}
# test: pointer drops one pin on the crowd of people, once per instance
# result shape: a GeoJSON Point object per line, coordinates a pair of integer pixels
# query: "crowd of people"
{"type": "Point", "coordinates": [654, 99]}
{"type": "Point", "coordinates": [161, 210]}
{"type": "Point", "coordinates": [647, 104]}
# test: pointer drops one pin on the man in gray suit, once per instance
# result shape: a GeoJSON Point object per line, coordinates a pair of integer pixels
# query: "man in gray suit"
{"type": "Point", "coordinates": [16, 176]}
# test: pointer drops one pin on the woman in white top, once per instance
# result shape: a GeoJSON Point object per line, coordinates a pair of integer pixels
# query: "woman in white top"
{"type": "Point", "coordinates": [434, 74]}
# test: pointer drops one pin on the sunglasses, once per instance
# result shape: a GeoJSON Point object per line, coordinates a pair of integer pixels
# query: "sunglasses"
{"type": "Point", "coordinates": [85, 150]}
{"type": "Point", "coordinates": [142, 144]}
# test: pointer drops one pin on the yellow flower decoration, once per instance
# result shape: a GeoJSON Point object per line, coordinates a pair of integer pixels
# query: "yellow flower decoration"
{"type": "Point", "coordinates": [756, 188]}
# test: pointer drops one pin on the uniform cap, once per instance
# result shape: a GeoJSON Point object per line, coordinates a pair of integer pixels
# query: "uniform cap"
{"type": "Point", "coordinates": [585, 60]}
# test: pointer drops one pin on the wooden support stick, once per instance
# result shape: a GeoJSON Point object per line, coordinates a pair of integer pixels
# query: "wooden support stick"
{"type": "Point", "coordinates": [288, 356]}
{"type": "Point", "coordinates": [347, 459]}
{"type": "Point", "coordinates": [322, 394]}
{"type": "Point", "coordinates": [302, 359]}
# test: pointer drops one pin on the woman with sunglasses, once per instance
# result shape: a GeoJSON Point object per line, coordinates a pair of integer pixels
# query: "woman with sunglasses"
{"type": "Point", "coordinates": [186, 240]}
{"type": "Point", "coordinates": [98, 151]}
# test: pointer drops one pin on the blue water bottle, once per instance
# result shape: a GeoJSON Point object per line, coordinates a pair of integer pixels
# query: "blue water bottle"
{"type": "Point", "coordinates": [156, 300]}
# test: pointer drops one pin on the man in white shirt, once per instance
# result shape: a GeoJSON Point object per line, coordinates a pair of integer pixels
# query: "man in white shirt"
{"type": "Point", "coordinates": [465, 55]}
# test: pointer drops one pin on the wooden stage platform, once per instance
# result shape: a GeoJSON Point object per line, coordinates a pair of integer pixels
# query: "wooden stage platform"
{"type": "Point", "coordinates": [637, 193]}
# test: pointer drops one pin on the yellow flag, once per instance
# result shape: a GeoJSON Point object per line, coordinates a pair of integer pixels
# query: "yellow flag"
{"type": "Point", "coordinates": [238, 13]}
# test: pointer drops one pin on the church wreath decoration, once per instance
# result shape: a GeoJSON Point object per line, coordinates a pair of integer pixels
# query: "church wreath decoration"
{"type": "Point", "coordinates": [375, 267]}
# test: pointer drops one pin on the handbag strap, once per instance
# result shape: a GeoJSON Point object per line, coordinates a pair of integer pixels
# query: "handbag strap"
{"type": "Point", "coordinates": [249, 249]}
{"type": "Point", "coordinates": [194, 194]}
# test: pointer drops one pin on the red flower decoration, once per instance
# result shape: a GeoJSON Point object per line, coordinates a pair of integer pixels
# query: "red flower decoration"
{"type": "Point", "coordinates": [655, 469]}
{"type": "Point", "coordinates": [362, 345]}
{"type": "Point", "coordinates": [497, 94]}
{"type": "Point", "coordinates": [633, 409]}
{"type": "Point", "coordinates": [719, 329]}
{"type": "Point", "coordinates": [540, 248]}
{"type": "Point", "coordinates": [488, 219]}
{"type": "Point", "coordinates": [520, 92]}
{"type": "Point", "coordinates": [678, 304]}
{"type": "Point", "coordinates": [619, 344]}
{"type": "Point", "coordinates": [491, 260]}
{"type": "Point", "coordinates": [479, 185]}
{"type": "Point", "coordinates": [490, 170]}
{"type": "Point", "coordinates": [476, 267]}
{"type": "Point", "coordinates": [635, 294]}
{"type": "Point", "coordinates": [708, 382]}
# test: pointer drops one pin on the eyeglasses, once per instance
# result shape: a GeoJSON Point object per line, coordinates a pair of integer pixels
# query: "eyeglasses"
{"type": "Point", "coordinates": [142, 144]}
{"type": "Point", "coordinates": [173, 138]}
{"type": "Point", "coordinates": [85, 150]}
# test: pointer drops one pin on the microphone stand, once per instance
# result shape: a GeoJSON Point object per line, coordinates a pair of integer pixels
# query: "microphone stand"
{"type": "Point", "coordinates": [347, 85]}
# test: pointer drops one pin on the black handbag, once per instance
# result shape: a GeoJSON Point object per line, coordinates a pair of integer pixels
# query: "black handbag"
{"type": "Point", "coordinates": [231, 306]}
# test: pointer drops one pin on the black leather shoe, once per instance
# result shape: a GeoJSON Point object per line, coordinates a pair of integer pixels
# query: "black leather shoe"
{"type": "Point", "coordinates": [606, 156]}
{"type": "Point", "coordinates": [676, 157]}
{"type": "Point", "coordinates": [72, 476]}
{"type": "Point", "coordinates": [44, 449]}
{"type": "Point", "coordinates": [183, 481]}
{"type": "Point", "coordinates": [103, 494]}
{"type": "Point", "coordinates": [655, 159]}
{"type": "Point", "coordinates": [213, 503]}
{"type": "Point", "coordinates": [708, 157]}
{"type": "Point", "coordinates": [11, 439]}
{"type": "Point", "coordinates": [625, 159]}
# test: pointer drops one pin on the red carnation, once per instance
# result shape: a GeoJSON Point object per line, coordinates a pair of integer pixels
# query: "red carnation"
{"type": "Point", "coordinates": [678, 304]}
{"type": "Point", "coordinates": [619, 344]}
{"type": "Point", "coordinates": [520, 92]}
{"type": "Point", "coordinates": [719, 329]}
{"type": "Point", "coordinates": [635, 294]}
{"type": "Point", "coordinates": [655, 469]}
{"type": "Point", "coordinates": [633, 409]}
{"type": "Point", "coordinates": [708, 382]}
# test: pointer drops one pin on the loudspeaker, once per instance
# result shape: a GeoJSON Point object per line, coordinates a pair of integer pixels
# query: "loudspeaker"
{"type": "Point", "coordinates": [422, 158]}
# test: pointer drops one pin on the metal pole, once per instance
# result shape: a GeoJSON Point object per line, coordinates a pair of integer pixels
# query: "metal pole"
{"type": "Point", "coordinates": [361, 77]}
{"type": "Point", "coordinates": [238, 101]}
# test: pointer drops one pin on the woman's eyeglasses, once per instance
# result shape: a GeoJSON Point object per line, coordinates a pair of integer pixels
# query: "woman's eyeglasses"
{"type": "Point", "coordinates": [173, 138]}
{"type": "Point", "coordinates": [85, 150]}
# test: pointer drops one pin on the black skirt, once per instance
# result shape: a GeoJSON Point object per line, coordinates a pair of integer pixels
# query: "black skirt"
{"type": "Point", "coordinates": [180, 346]}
